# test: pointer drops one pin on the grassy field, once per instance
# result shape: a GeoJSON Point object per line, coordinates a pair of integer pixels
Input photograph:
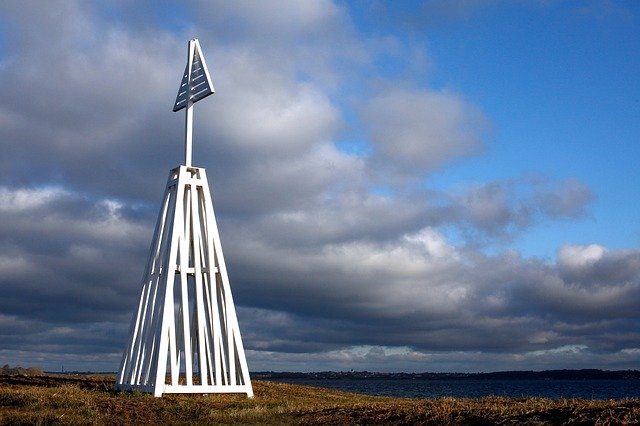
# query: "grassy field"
{"type": "Point", "coordinates": [91, 399]}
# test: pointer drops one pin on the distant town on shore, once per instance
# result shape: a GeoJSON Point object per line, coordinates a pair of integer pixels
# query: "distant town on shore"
{"type": "Point", "coordinates": [584, 374]}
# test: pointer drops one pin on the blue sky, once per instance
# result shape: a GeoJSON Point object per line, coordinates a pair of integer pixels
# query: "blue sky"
{"type": "Point", "coordinates": [400, 186]}
{"type": "Point", "coordinates": [559, 85]}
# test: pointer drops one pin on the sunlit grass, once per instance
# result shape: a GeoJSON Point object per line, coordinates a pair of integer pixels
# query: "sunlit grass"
{"type": "Point", "coordinates": [48, 400]}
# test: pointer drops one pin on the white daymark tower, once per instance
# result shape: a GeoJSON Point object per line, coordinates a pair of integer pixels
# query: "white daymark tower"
{"type": "Point", "coordinates": [184, 336]}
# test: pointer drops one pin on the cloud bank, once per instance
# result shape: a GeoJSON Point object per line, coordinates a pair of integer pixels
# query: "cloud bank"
{"type": "Point", "coordinates": [338, 259]}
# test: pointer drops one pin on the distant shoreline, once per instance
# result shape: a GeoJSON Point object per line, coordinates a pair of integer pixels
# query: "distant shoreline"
{"type": "Point", "coordinates": [564, 374]}
{"type": "Point", "coordinates": [582, 374]}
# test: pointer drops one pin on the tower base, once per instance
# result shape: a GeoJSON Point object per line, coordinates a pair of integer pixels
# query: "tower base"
{"type": "Point", "coordinates": [184, 337]}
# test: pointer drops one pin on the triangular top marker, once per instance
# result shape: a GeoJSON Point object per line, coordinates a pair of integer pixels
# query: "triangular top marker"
{"type": "Point", "coordinates": [196, 81]}
{"type": "Point", "coordinates": [195, 85]}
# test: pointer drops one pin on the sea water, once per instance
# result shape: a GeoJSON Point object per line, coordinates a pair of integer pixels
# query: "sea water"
{"type": "Point", "coordinates": [476, 388]}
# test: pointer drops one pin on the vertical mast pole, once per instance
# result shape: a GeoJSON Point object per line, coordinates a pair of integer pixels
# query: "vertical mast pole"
{"type": "Point", "coordinates": [189, 109]}
{"type": "Point", "coordinates": [188, 134]}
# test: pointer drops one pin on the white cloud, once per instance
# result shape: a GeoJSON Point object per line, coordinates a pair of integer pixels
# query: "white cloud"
{"type": "Point", "coordinates": [25, 199]}
{"type": "Point", "coordinates": [415, 131]}
{"type": "Point", "coordinates": [262, 112]}
{"type": "Point", "coordinates": [580, 256]}
{"type": "Point", "coordinates": [505, 208]}
{"type": "Point", "coordinates": [488, 207]}
{"type": "Point", "coordinates": [566, 198]}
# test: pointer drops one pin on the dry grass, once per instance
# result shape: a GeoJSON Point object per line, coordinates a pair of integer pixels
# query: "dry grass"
{"type": "Point", "coordinates": [91, 400]}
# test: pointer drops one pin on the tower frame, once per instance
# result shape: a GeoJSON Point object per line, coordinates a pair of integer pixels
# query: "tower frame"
{"type": "Point", "coordinates": [184, 336]}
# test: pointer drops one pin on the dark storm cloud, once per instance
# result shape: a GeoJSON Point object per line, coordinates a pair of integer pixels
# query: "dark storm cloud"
{"type": "Point", "coordinates": [327, 270]}
{"type": "Point", "coordinates": [83, 102]}
{"type": "Point", "coordinates": [66, 258]}
{"type": "Point", "coordinates": [504, 305]}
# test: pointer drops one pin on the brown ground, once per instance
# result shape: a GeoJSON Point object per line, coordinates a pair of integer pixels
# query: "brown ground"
{"type": "Point", "coordinates": [91, 400]}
